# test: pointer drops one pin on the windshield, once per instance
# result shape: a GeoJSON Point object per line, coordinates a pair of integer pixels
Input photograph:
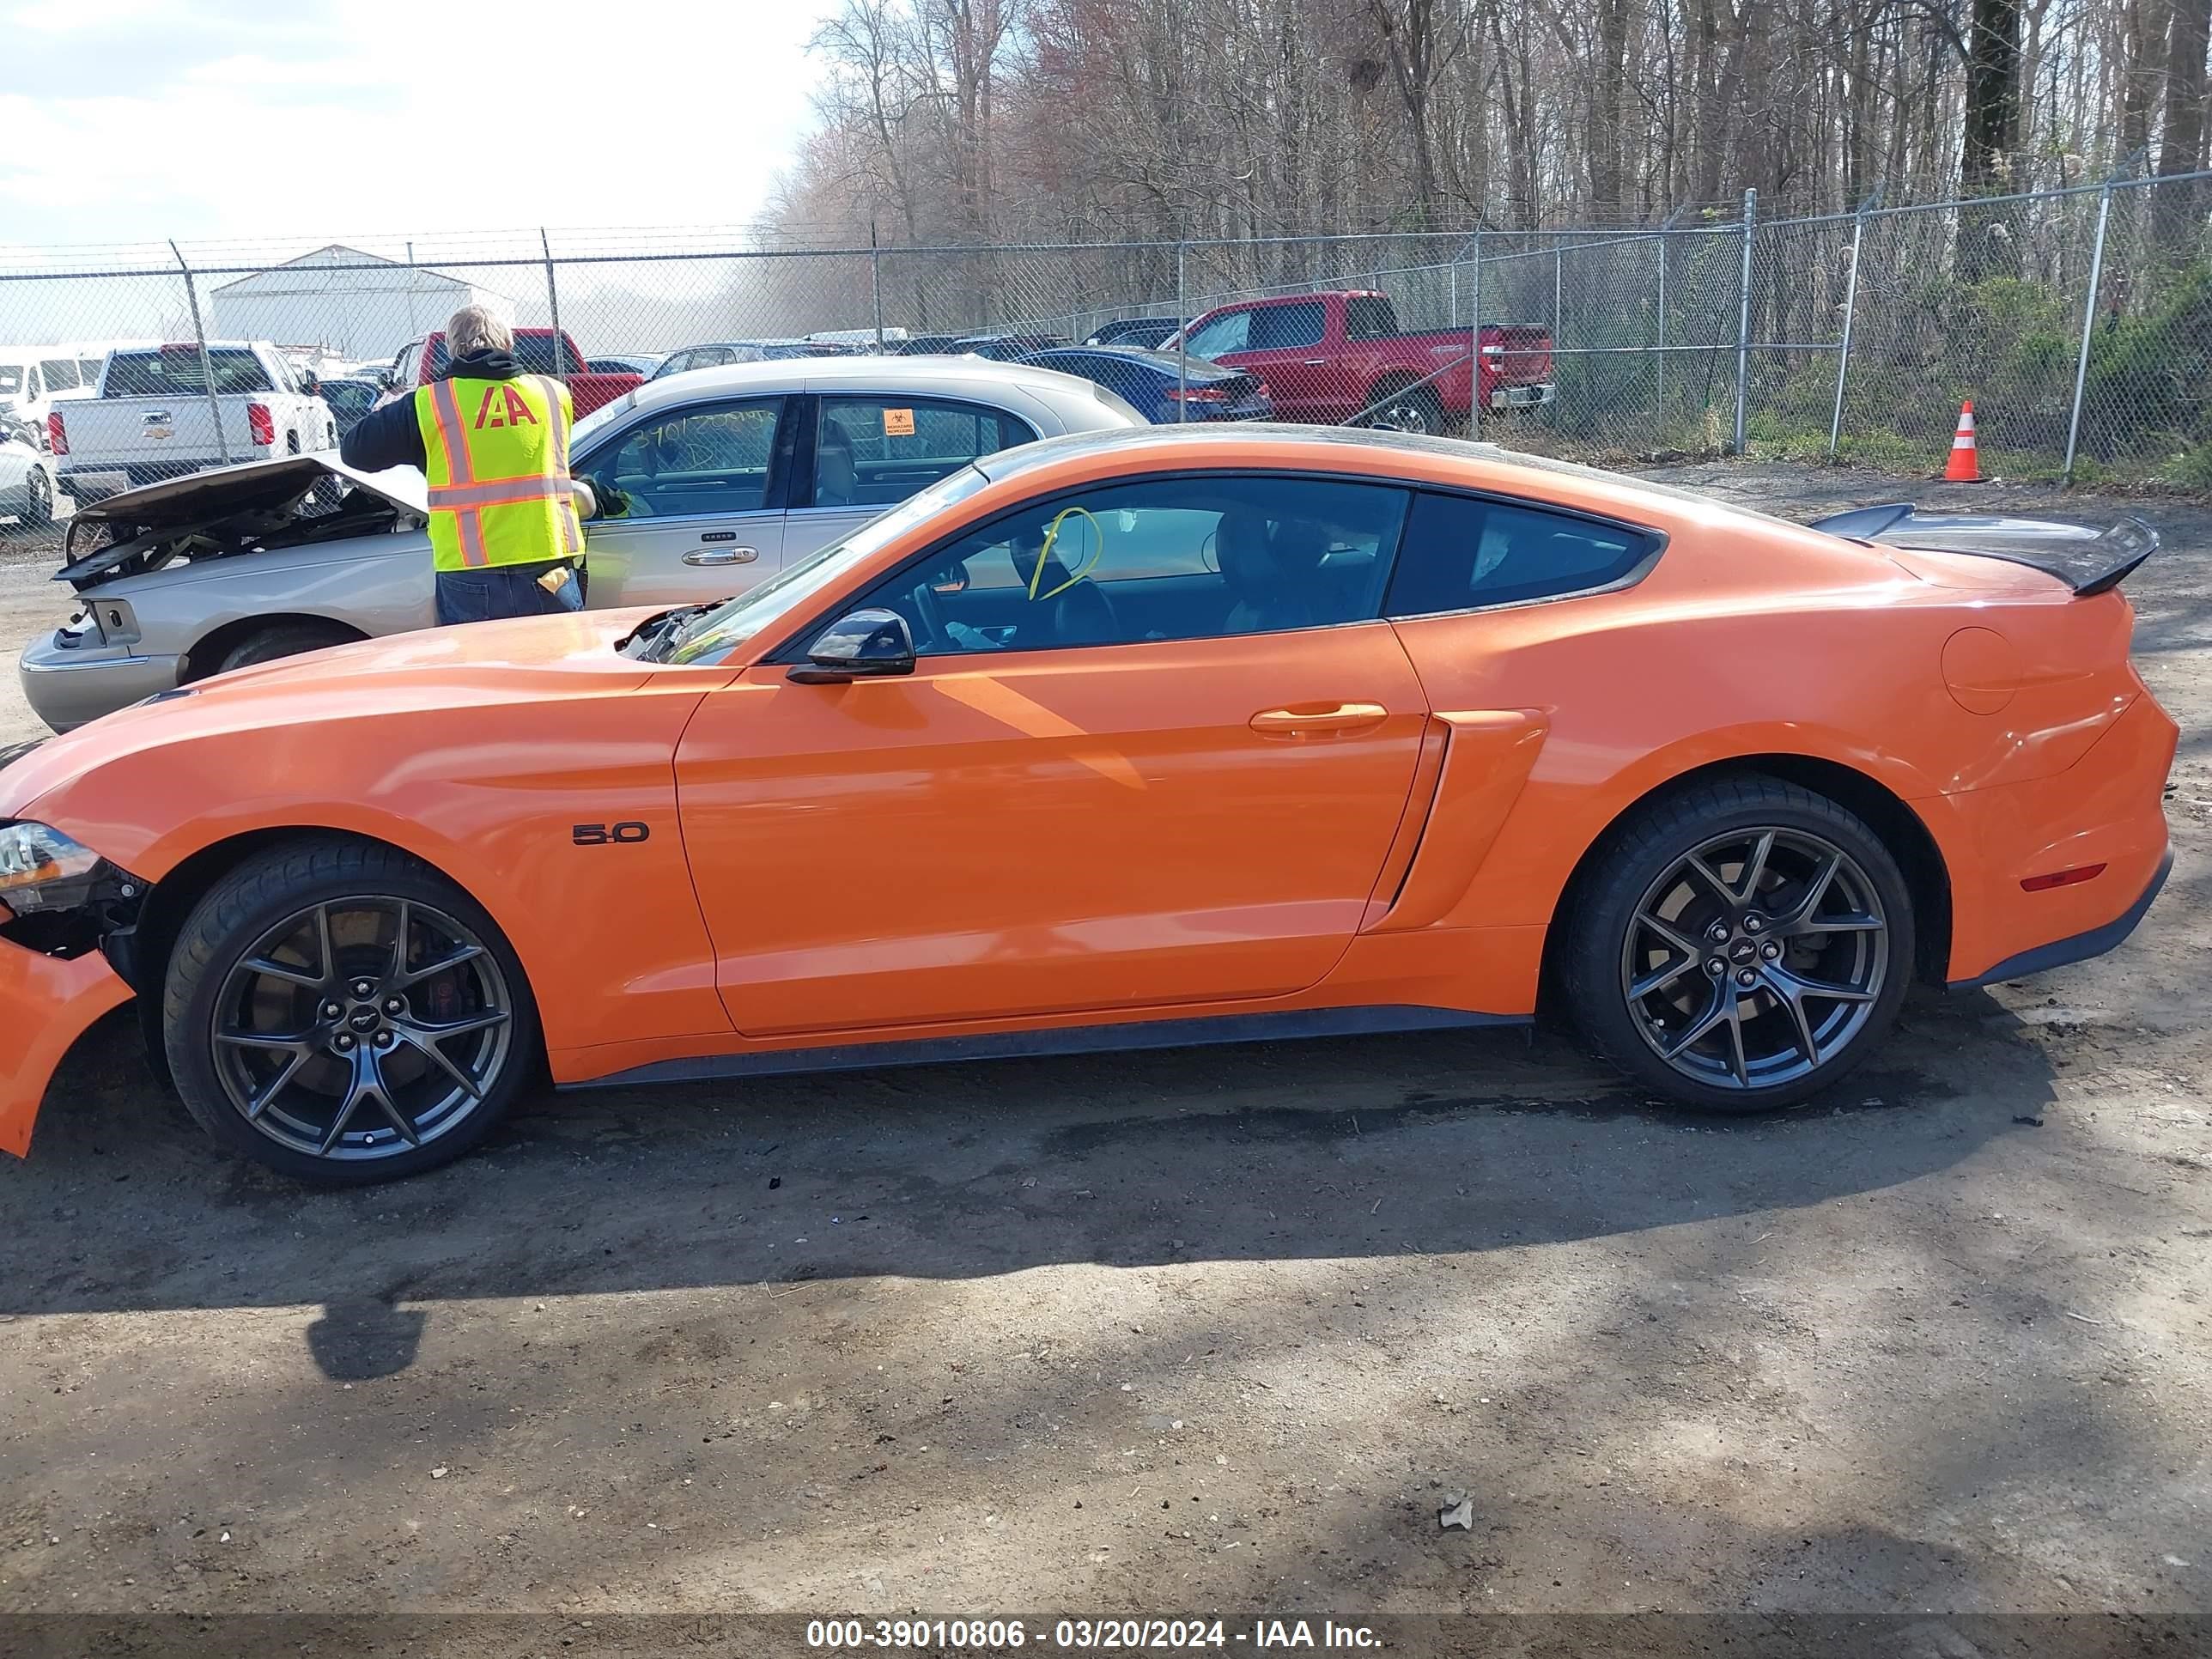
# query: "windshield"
{"type": "Point", "coordinates": [719, 631]}
{"type": "Point", "coordinates": [599, 419]}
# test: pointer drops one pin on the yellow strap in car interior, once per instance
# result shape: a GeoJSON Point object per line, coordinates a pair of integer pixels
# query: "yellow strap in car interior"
{"type": "Point", "coordinates": [1044, 553]}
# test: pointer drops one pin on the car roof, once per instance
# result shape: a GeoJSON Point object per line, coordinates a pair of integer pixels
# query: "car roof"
{"type": "Point", "coordinates": [918, 374]}
{"type": "Point", "coordinates": [1313, 447]}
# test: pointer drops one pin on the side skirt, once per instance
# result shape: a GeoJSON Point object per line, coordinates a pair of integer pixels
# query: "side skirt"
{"type": "Point", "coordinates": [1061, 1039]}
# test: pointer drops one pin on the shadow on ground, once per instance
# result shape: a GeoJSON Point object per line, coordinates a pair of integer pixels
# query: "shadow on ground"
{"type": "Point", "coordinates": [1361, 1148]}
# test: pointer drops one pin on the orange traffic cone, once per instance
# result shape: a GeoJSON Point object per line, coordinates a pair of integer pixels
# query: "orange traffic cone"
{"type": "Point", "coordinates": [1965, 463]}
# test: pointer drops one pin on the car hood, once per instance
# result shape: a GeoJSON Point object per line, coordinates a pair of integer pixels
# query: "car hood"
{"type": "Point", "coordinates": [532, 658]}
{"type": "Point", "coordinates": [251, 486]}
{"type": "Point", "coordinates": [251, 508]}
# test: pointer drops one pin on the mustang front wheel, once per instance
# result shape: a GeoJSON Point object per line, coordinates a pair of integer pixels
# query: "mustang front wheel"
{"type": "Point", "coordinates": [342, 1013]}
{"type": "Point", "coordinates": [1743, 946]}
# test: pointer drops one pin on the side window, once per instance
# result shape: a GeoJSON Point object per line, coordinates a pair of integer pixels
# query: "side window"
{"type": "Point", "coordinates": [709, 457]}
{"type": "Point", "coordinates": [1368, 317]}
{"type": "Point", "coordinates": [1159, 559]}
{"type": "Point", "coordinates": [438, 358]}
{"type": "Point", "coordinates": [89, 368]}
{"type": "Point", "coordinates": [1229, 333]}
{"type": "Point", "coordinates": [1284, 328]}
{"type": "Point", "coordinates": [1460, 553]}
{"type": "Point", "coordinates": [876, 451]}
{"type": "Point", "coordinates": [60, 373]}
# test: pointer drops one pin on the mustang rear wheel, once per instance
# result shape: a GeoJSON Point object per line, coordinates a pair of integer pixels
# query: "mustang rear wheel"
{"type": "Point", "coordinates": [342, 1013]}
{"type": "Point", "coordinates": [1741, 946]}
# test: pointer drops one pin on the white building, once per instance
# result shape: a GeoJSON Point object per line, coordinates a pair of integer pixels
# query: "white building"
{"type": "Point", "coordinates": [351, 304]}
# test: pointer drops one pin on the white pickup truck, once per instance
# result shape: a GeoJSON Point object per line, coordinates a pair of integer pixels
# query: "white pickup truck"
{"type": "Point", "coordinates": [154, 419]}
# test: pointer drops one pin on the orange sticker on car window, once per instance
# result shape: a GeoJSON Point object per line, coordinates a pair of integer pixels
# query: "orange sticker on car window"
{"type": "Point", "coordinates": [898, 424]}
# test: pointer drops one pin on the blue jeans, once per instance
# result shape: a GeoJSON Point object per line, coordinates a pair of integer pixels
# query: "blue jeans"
{"type": "Point", "coordinates": [471, 596]}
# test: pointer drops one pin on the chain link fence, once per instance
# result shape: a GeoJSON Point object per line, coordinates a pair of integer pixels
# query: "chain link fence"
{"type": "Point", "coordinates": [2079, 322]}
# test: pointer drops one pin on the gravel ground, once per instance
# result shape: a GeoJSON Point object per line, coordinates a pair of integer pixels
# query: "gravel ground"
{"type": "Point", "coordinates": [1167, 1333]}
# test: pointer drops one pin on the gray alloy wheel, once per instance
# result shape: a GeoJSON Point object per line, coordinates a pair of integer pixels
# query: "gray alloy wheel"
{"type": "Point", "coordinates": [1412, 409]}
{"type": "Point", "coordinates": [1756, 958]}
{"type": "Point", "coordinates": [363, 1028]}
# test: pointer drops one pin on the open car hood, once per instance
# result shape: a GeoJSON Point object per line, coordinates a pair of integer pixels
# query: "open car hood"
{"type": "Point", "coordinates": [232, 509]}
{"type": "Point", "coordinates": [2087, 560]}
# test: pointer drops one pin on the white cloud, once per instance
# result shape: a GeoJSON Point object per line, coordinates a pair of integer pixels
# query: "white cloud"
{"type": "Point", "coordinates": [410, 116]}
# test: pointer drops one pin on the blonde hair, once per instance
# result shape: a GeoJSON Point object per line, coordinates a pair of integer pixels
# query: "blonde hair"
{"type": "Point", "coordinates": [473, 329]}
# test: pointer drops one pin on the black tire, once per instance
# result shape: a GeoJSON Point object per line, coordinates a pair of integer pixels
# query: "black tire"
{"type": "Point", "coordinates": [1409, 408]}
{"type": "Point", "coordinates": [38, 501]}
{"type": "Point", "coordinates": [280, 640]}
{"type": "Point", "coordinates": [1618, 938]}
{"type": "Point", "coordinates": [336, 879]}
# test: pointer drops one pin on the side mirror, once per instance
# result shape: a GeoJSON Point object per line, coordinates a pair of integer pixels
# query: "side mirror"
{"type": "Point", "coordinates": [866, 645]}
{"type": "Point", "coordinates": [312, 385]}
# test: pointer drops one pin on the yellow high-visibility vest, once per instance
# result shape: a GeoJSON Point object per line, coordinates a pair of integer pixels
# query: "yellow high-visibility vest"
{"type": "Point", "coordinates": [498, 469]}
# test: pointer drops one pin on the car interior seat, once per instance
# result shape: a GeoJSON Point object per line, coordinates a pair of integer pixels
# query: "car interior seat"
{"type": "Point", "coordinates": [837, 479]}
{"type": "Point", "coordinates": [1273, 570]}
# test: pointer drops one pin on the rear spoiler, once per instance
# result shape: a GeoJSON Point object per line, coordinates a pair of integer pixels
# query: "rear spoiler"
{"type": "Point", "coordinates": [2088, 561]}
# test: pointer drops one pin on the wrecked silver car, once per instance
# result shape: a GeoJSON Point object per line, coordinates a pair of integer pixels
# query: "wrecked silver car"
{"type": "Point", "coordinates": [720, 488]}
{"type": "Point", "coordinates": [193, 576]}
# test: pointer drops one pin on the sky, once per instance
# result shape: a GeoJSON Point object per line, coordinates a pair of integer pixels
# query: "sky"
{"type": "Point", "coordinates": [134, 121]}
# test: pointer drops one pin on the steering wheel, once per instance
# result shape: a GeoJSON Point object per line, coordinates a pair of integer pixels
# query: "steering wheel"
{"type": "Point", "coordinates": [932, 616]}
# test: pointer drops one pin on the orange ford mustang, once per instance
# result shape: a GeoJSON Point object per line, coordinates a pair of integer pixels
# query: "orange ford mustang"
{"type": "Point", "coordinates": [1131, 738]}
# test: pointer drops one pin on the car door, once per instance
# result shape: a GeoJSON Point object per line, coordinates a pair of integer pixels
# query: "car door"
{"type": "Point", "coordinates": [700, 503]}
{"type": "Point", "coordinates": [1135, 777]}
{"type": "Point", "coordinates": [1284, 349]}
{"type": "Point", "coordinates": [864, 451]}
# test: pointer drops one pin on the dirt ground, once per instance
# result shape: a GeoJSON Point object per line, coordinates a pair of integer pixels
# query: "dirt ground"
{"type": "Point", "coordinates": [1163, 1334]}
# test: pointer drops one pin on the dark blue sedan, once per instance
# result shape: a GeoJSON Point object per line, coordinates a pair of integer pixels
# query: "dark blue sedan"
{"type": "Point", "coordinates": [1163, 395]}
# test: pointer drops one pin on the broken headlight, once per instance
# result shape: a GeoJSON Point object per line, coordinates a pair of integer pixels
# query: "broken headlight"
{"type": "Point", "coordinates": [42, 869]}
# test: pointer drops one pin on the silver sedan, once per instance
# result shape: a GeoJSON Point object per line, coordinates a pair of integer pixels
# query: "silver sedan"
{"type": "Point", "coordinates": [719, 478]}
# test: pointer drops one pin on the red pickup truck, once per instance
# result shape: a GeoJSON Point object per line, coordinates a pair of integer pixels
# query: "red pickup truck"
{"type": "Point", "coordinates": [537, 349]}
{"type": "Point", "coordinates": [1332, 358]}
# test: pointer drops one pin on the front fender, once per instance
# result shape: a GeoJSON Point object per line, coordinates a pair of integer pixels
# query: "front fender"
{"type": "Point", "coordinates": [610, 934]}
{"type": "Point", "coordinates": [389, 591]}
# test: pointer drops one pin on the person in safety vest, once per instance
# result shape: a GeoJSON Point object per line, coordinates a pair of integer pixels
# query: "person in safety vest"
{"type": "Point", "coordinates": [494, 443]}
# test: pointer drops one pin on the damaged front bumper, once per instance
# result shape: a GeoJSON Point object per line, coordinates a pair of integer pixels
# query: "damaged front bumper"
{"type": "Point", "coordinates": [46, 1003]}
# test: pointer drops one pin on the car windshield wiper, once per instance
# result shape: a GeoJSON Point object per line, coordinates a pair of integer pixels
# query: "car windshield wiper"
{"type": "Point", "coordinates": [654, 638]}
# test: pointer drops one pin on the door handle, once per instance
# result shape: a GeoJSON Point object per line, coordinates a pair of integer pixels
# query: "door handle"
{"type": "Point", "coordinates": [722, 556]}
{"type": "Point", "coordinates": [1315, 363]}
{"type": "Point", "coordinates": [1328, 721]}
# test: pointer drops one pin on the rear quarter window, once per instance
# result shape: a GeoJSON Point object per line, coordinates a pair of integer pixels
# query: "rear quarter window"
{"type": "Point", "coordinates": [1461, 553]}
{"type": "Point", "coordinates": [1368, 317]}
